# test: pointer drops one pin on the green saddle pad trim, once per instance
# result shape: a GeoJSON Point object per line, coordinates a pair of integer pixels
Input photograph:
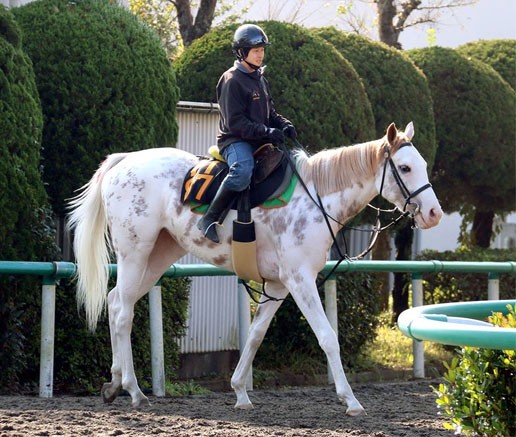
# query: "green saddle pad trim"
{"type": "Point", "coordinates": [276, 202]}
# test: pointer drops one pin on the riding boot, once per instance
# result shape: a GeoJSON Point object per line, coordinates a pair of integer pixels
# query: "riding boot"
{"type": "Point", "coordinates": [218, 205]}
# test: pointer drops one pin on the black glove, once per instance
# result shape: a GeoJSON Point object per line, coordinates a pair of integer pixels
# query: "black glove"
{"type": "Point", "coordinates": [290, 131]}
{"type": "Point", "coordinates": [276, 135]}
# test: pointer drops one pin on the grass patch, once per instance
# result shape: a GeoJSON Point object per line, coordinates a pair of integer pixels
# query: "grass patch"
{"type": "Point", "coordinates": [391, 349]}
{"type": "Point", "coordinates": [184, 389]}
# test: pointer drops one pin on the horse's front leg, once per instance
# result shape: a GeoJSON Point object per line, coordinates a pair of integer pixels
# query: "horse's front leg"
{"type": "Point", "coordinates": [304, 292]}
{"type": "Point", "coordinates": [261, 322]}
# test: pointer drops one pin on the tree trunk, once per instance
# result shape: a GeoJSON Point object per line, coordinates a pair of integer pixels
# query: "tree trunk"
{"type": "Point", "coordinates": [403, 241]}
{"type": "Point", "coordinates": [386, 30]}
{"type": "Point", "coordinates": [190, 30]}
{"type": "Point", "coordinates": [482, 228]}
{"type": "Point", "coordinates": [382, 251]}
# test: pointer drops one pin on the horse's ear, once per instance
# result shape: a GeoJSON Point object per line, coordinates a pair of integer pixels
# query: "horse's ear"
{"type": "Point", "coordinates": [409, 131]}
{"type": "Point", "coordinates": [392, 133]}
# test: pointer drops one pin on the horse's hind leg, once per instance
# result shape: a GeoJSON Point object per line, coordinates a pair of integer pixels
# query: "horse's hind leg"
{"type": "Point", "coordinates": [110, 390]}
{"type": "Point", "coordinates": [137, 273]}
{"type": "Point", "coordinates": [307, 299]}
{"type": "Point", "coordinates": [261, 322]}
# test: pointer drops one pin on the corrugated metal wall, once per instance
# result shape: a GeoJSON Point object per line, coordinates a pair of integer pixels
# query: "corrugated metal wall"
{"type": "Point", "coordinates": [213, 309]}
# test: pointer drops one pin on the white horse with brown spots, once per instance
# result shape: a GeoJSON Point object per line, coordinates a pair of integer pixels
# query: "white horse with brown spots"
{"type": "Point", "coordinates": [133, 206]}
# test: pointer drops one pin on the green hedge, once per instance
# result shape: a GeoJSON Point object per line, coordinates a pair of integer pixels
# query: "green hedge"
{"type": "Point", "coordinates": [498, 53]}
{"type": "Point", "coordinates": [26, 228]}
{"type": "Point", "coordinates": [478, 394]}
{"type": "Point", "coordinates": [463, 287]}
{"type": "Point", "coordinates": [105, 84]}
{"type": "Point", "coordinates": [397, 89]}
{"type": "Point", "coordinates": [474, 114]}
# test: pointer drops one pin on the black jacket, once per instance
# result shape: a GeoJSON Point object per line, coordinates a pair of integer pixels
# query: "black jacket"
{"type": "Point", "coordinates": [246, 108]}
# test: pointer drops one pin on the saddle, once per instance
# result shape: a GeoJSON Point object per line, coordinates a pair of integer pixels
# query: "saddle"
{"type": "Point", "coordinates": [272, 181]}
{"type": "Point", "coordinates": [271, 177]}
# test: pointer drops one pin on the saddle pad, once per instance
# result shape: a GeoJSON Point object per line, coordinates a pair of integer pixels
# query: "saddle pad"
{"type": "Point", "coordinates": [202, 182]}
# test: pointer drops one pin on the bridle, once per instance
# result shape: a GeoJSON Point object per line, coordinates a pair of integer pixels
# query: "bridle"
{"type": "Point", "coordinates": [401, 185]}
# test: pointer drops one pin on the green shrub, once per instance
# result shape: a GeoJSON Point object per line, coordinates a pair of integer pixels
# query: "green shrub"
{"type": "Point", "coordinates": [473, 107]}
{"type": "Point", "coordinates": [26, 228]}
{"type": "Point", "coordinates": [291, 343]}
{"type": "Point", "coordinates": [105, 85]}
{"type": "Point", "coordinates": [397, 89]}
{"type": "Point", "coordinates": [498, 53]}
{"type": "Point", "coordinates": [312, 84]}
{"type": "Point", "coordinates": [445, 287]}
{"type": "Point", "coordinates": [479, 392]}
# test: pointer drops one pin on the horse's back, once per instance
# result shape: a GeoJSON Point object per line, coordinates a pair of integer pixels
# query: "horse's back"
{"type": "Point", "coordinates": [140, 187]}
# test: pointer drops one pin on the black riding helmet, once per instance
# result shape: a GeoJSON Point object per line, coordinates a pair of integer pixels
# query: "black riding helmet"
{"type": "Point", "coordinates": [246, 37]}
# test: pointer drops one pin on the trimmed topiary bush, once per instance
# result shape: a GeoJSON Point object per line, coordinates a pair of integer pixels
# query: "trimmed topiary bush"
{"type": "Point", "coordinates": [105, 84]}
{"type": "Point", "coordinates": [312, 84]}
{"type": "Point", "coordinates": [397, 89]}
{"type": "Point", "coordinates": [498, 53]}
{"type": "Point", "coordinates": [474, 114]}
{"type": "Point", "coordinates": [26, 228]}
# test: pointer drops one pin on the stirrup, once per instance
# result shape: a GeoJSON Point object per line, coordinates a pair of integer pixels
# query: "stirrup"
{"type": "Point", "coordinates": [211, 232]}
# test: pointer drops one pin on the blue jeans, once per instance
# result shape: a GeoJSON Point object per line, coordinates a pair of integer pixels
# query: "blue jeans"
{"type": "Point", "coordinates": [240, 159]}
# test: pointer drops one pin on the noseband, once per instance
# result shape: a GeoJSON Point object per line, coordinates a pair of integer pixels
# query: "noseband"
{"type": "Point", "coordinates": [401, 185]}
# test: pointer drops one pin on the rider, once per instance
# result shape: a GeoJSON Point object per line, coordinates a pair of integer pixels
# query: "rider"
{"type": "Point", "coordinates": [247, 120]}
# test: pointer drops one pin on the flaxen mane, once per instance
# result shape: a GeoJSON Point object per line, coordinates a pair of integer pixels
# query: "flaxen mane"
{"type": "Point", "coordinates": [332, 170]}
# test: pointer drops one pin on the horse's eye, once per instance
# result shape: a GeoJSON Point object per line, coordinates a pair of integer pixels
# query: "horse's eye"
{"type": "Point", "coordinates": [404, 168]}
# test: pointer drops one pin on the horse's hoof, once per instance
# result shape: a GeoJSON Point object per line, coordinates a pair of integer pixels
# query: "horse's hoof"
{"type": "Point", "coordinates": [106, 388]}
{"type": "Point", "coordinates": [356, 411]}
{"type": "Point", "coordinates": [141, 403]}
{"type": "Point", "coordinates": [246, 406]}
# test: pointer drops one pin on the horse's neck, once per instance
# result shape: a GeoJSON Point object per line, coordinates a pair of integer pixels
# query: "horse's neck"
{"type": "Point", "coordinates": [344, 177]}
{"type": "Point", "coordinates": [337, 170]}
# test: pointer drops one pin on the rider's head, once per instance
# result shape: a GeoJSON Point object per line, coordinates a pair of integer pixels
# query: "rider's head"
{"type": "Point", "coordinates": [248, 44]}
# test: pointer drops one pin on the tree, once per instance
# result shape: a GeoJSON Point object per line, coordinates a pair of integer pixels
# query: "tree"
{"type": "Point", "coordinates": [394, 16]}
{"type": "Point", "coordinates": [319, 90]}
{"type": "Point", "coordinates": [474, 111]}
{"type": "Point", "coordinates": [399, 92]}
{"type": "Point", "coordinates": [175, 23]}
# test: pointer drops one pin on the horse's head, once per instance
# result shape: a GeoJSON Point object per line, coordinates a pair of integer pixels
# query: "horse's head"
{"type": "Point", "coordinates": [402, 178]}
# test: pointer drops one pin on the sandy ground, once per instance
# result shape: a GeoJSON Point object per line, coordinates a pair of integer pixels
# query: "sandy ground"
{"type": "Point", "coordinates": [393, 409]}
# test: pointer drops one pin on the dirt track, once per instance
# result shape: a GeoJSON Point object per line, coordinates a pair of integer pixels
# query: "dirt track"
{"type": "Point", "coordinates": [394, 409]}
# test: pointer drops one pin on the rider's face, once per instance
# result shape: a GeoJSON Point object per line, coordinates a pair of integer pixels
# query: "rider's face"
{"type": "Point", "coordinates": [255, 56]}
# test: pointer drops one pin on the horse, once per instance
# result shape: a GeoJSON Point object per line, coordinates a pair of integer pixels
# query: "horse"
{"type": "Point", "coordinates": [132, 208]}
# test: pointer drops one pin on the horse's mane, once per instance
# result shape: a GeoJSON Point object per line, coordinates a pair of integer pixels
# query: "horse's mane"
{"type": "Point", "coordinates": [332, 170]}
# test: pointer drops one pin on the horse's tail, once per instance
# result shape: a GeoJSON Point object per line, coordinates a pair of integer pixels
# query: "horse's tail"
{"type": "Point", "coordinates": [91, 243]}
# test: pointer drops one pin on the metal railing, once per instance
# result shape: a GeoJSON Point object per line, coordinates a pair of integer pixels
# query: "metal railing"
{"type": "Point", "coordinates": [51, 272]}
